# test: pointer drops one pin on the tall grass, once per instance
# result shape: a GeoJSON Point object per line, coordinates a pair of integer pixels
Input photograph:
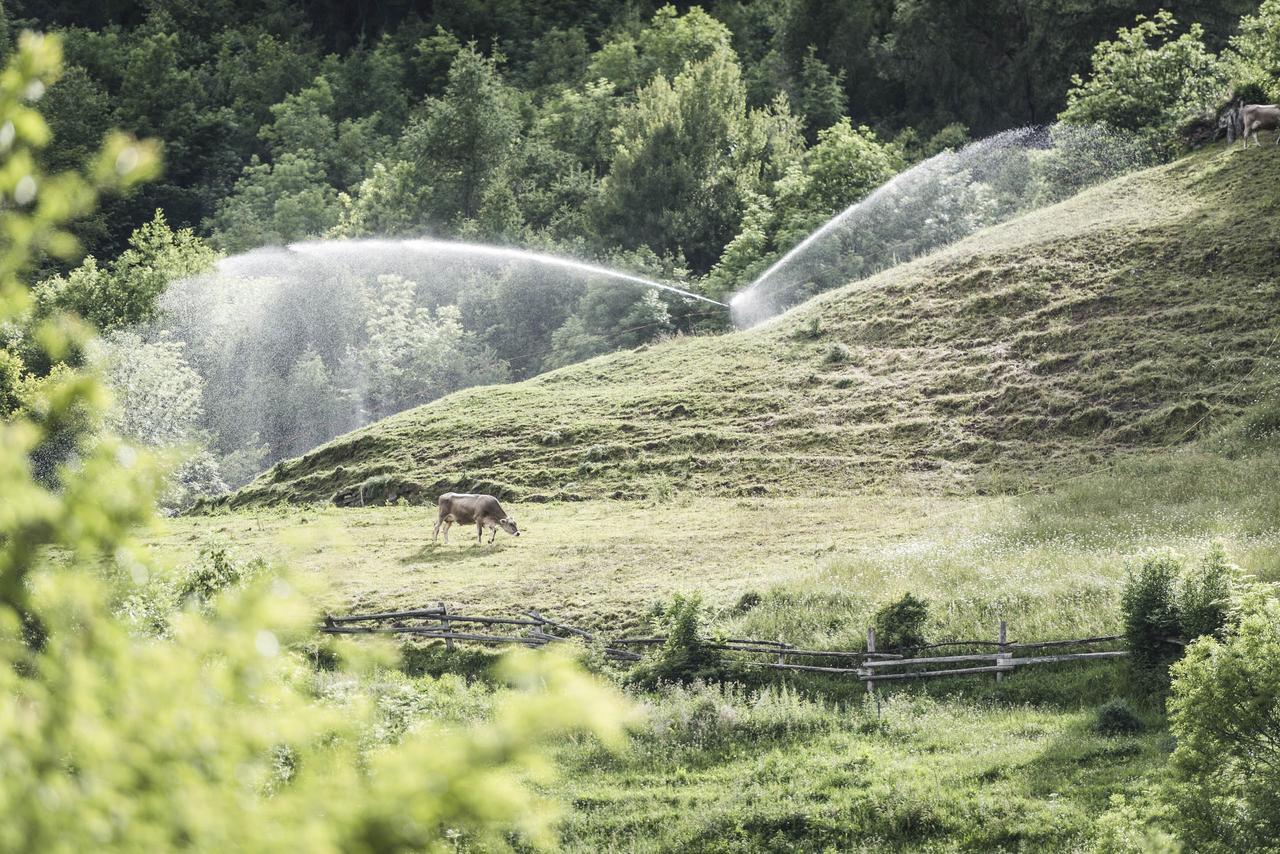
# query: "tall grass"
{"type": "Point", "coordinates": [1052, 564]}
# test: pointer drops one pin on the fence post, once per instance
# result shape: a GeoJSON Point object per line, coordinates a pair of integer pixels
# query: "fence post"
{"type": "Point", "coordinates": [445, 625]}
{"type": "Point", "coordinates": [782, 656]}
{"type": "Point", "coordinates": [1000, 661]}
{"type": "Point", "coordinates": [871, 647]}
{"type": "Point", "coordinates": [532, 630]}
{"type": "Point", "coordinates": [1004, 659]}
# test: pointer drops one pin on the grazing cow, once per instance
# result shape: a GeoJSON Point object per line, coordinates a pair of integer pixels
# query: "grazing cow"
{"type": "Point", "coordinates": [483, 511]}
{"type": "Point", "coordinates": [1255, 117]}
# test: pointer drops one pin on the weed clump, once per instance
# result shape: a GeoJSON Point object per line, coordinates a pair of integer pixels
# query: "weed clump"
{"type": "Point", "coordinates": [151, 607]}
{"type": "Point", "coordinates": [1165, 608]}
{"type": "Point", "coordinates": [1116, 717]}
{"type": "Point", "coordinates": [214, 572]}
{"type": "Point", "coordinates": [837, 354]}
{"type": "Point", "coordinates": [685, 656]}
{"type": "Point", "coordinates": [811, 330]}
{"type": "Point", "coordinates": [901, 624]}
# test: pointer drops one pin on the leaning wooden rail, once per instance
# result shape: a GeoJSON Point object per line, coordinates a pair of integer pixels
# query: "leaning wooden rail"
{"type": "Point", "coordinates": [869, 665]}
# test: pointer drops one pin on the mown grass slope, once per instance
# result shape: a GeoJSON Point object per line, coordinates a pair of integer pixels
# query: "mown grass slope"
{"type": "Point", "coordinates": [1129, 316]}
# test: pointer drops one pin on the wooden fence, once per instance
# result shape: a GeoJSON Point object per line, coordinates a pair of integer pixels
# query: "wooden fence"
{"type": "Point", "coordinates": [533, 629]}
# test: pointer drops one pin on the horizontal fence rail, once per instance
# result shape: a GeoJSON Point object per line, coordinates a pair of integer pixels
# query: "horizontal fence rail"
{"type": "Point", "coordinates": [870, 666]}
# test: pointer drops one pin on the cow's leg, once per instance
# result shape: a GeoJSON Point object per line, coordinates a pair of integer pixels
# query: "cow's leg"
{"type": "Point", "coordinates": [479, 532]}
{"type": "Point", "coordinates": [493, 532]}
{"type": "Point", "coordinates": [448, 523]}
{"type": "Point", "coordinates": [437, 530]}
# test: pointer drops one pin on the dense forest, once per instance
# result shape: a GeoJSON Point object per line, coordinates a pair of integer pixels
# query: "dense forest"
{"type": "Point", "coordinates": [514, 121]}
{"type": "Point", "coordinates": [694, 144]}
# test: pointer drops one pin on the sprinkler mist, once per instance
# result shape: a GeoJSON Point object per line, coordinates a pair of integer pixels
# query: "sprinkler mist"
{"type": "Point", "coordinates": [293, 345]}
{"type": "Point", "coordinates": [936, 202]}
{"type": "Point", "coordinates": [484, 251]}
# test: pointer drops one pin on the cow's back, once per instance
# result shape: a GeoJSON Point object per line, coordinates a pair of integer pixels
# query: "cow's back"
{"type": "Point", "coordinates": [466, 507]}
{"type": "Point", "coordinates": [1266, 115]}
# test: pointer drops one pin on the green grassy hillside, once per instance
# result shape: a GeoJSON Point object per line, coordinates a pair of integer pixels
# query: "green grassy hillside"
{"type": "Point", "coordinates": [1115, 321]}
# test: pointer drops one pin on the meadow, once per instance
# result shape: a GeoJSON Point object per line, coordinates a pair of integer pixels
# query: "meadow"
{"type": "Point", "coordinates": [1136, 314]}
{"type": "Point", "coordinates": [810, 762]}
{"type": "Point", "coordinates": [1050, 562]}
{"type": "Point", "coordinates": [801, 476]}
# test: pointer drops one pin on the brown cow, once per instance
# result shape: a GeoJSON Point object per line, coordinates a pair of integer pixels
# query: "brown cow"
{"type": "Point", "coordinates": [483, 511]}
{"type": "Point", "coordinates": [1255, 117]}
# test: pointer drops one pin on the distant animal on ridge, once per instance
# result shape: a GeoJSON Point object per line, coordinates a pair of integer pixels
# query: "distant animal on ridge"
{"type": "Point", "coordinates": [1255, 117]}
{"type": "Point", "coordinates": [483, 511]}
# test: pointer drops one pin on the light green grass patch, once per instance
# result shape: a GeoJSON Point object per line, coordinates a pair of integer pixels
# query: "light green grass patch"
{"type": "Point", "coordinates": [601, 563]}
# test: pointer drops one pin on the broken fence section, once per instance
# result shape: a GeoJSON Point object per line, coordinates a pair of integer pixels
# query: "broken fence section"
{"type": "Point", "coordinates": [531, 628]}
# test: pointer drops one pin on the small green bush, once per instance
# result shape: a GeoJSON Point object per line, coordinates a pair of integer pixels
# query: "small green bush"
{"type": "Point", "coordinates": [1116, 717]}
{"type": "Point", "coordinates": [901, 624]}
{"type": "Point", "coordinates": [685, 656]}
{"type": "Point", "coordinates": [1149, 605]}
{"type": "Point", "coordinates": [1163, 604]}
{"type": "Point", "coordinates": [811, 330]}
{"type": "Point", "coordinates": [1223, 789]}
{"type": "Point", "coordinates": [837, 354]}
{"type": "Point", "coordinates": [212, 573]}
{"type": "Point", "coordinates": [1204, 602]}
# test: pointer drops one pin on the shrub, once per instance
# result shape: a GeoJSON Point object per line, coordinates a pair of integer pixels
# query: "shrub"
{"type": "Point", "coordinates": [1116, 717]}
{"type": "Point", "coordinates": [212, 573]}
{"type": "Point", "coordinates": [837, 354]}
{"type": "Point", "coordinates": [1162, 605]}
{"type": "Point", "coordinates": [747, 601]}
{"type": "Point", "coordinates": [901, 624]}
{"type": "Point", "coordinates": [10, 382]}
{"type": "Point", "coordinates": [1147, 81]}
{"type": "Point", "coordinates": [1224, 782]}
{"type": "Point", "coordinates": [1150, 613]}
{"type": "Point", "coordinates": [684, 656]}
{"type": "Point", "coordinates": [1204, 603]}
{"type": "Point", "coordinates": [1255, 55]}
{"type": "Point", "coordinates": [213, 741]}
{"type": "Point", "coordinates": [811, 330]}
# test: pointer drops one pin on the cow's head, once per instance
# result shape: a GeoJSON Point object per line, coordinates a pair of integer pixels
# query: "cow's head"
{"type": "Point", "coordinates": [508, 524]}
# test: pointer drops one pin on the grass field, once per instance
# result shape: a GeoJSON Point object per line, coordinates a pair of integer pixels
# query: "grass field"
{"type": "Point", "coordinates": [778, 772]}
{"type": "Point", "coordinates": [1050, 564]}
{"type": "Point", "coordinates": [808, 763]}
{"type": "Point", "coordinates": [783, 770]}
{"type": "Point", "coordinates": [596, 562]}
